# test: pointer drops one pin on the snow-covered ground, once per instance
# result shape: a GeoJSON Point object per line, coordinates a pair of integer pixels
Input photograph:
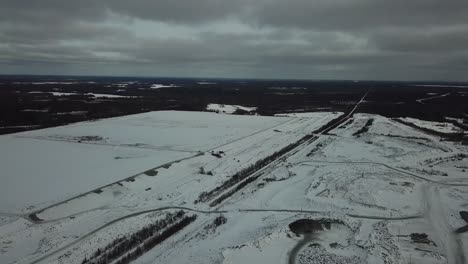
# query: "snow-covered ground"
{"type": "Point", "coordinates": [229, 109]}
{"type": "Point", "coordinates": [390, 194]}
{"type": "Point", "coordinates": [38, 172]}
{"type": "Point", "coordinates": [75, 158]}
{"type": "Point", "coordinates": [167, 130]}
{"type": "Point", "coordinates": [159, 86]}
{"type": "Point", "coordinates": [109, 95]}
{"type": "Point", "coordinates": [301, 115]}
{"type": "Point", "coordinates": [62, 93]}
{"type": "Point", "coordinates": [96, 95]}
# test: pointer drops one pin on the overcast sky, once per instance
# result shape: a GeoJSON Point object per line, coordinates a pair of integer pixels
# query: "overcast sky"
{"type": "Point", "coordinates": [306, 39]}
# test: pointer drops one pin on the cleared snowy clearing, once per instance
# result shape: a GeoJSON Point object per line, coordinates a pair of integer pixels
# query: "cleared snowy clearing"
{"type": "Point", "coordinates": [38, 172]}
{"type": "Point", "coordinates": [173, 130]}
{"type": "Point", "coordinates": [86, 155]}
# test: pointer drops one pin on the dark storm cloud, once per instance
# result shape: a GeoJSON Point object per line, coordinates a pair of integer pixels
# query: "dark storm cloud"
{"type": "Point", "coordinates": [360, 39]}
{"type": "Point", "coordinates": [361, 14]}
{"type": "Point", "coordinates": [430, 40]}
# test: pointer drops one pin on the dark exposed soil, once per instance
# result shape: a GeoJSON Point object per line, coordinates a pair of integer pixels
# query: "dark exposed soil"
{"type": "Point", "coordinates": [306, 226]}
{"type": "Point", "coordinates": [309, 226]}
{"type": "Point", "coordinates": [464, 215]}
{"type": "Point", "coordinates": [420, 238]}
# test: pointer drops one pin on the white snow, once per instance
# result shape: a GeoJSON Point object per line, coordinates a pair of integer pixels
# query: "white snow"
{"type": "Point", "coordinates": [229, 109]}
{"type": "Point", "coordinates": [37, 172]}
{"type": "Point", "coordinates": [139, 142]}
{"type": "Point", "coordinates": [109, 95]}
{"type": "Point", "coordinates": [421, 100]}
{"type": "Point", "coordinates": [300, 115]}
{"type": "Point", "coordinates": [378, 187]}
{"type": "Point", "coordinates": [159, 86]}
{"type": "Point", "coordinates": [62, 93]}
{"type": "Point", "coordinates": [96, 95]}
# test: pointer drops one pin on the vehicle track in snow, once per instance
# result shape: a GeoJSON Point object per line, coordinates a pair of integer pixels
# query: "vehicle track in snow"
{"type": "Point", "coordinates": [304, 163]}
{"type": "Point", "coordinates": [432, 97]}
{"type": "Point", "coordinates": [436, 215]}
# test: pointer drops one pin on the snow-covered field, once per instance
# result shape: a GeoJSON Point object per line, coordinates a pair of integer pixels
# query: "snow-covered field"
{"type": "Point", "coordinates": [384, 194]}
{"type": "Point", "coordinates": [167, 130]}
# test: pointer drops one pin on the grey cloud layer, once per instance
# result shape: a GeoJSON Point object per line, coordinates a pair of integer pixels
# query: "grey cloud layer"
{"type": "Point", "coordinates": [358, 39]}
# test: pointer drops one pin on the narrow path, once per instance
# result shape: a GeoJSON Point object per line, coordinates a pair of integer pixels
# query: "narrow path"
{"type": "Point", "coordinates": [436, 215]}
{"type": "Point", "coordinates": [293, 254]}
{"type": "Point", "coordinates": [430, 98]}
{"type": "Point", "coordinates": [374, 217]}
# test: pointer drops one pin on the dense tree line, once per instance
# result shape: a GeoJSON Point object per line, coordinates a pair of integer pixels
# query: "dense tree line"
{"type": "Point", "coordinates": [365, 128]}
{"type": "Point", "coordinates": [140, 241]}
{"type": "Point", "coordinates": [154, 241]}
